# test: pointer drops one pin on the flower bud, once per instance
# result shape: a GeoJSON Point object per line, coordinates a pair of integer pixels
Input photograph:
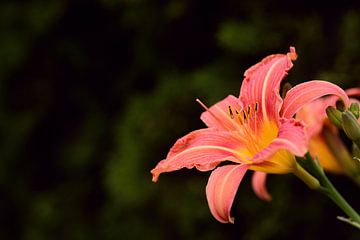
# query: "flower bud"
{"type": "Point", "coordinates": [335, 116]}
{"type": "Point", "coordinates": [354, 108]}
{"type": "Point", "coordinates": [355, 151]}
{"type": "Point", "coordinates": [351, 126]}
{"type": "Point", "coordinates": [340, 105]}
{"type": "Point", "coordinates": [287, 86]}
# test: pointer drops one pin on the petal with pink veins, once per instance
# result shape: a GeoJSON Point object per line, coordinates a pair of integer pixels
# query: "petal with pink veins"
{"type": "Point", "coordinates": [353, 92]}
{"type": "Point", "coordinates": [313, 114]}
{"type": "Point", "coordinates": [218, 115]}
{"type": "Point", "coordinates": [203, 149]}
{"type": "Point", "coordinates": [307, 92]}
{"type": "Point", "coordinates": [221, 190]}
{"type": "Point", "coordinates": [262, 82]}
{"type": "Point", "coordinates": [259, 185]}
{"type": "Point", "coordinates": [291, 137]}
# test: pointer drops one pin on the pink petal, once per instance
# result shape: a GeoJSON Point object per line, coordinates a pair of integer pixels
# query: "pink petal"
{"type": "Point", "coordinates": [221, 190]}
{"type": "Point", "coordinates": [203, 149]}
{"type": "Point", "coordinates": [262, 82]}
{"type": "Point", "coordinates": [313, 114]}
{"type": "Point", "coordinates": [291, 137]}
{"type": "Point", "coordinates": [218, 115]}
{"type": "Point", "coordinates": [353, 92]}
{"type": "Point", "coordinates": [259, 185]}
{"type": "Point", "coordinates": [305, 93]}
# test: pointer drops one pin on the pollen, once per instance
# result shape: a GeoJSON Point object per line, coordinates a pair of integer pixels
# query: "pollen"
{"type": "Point", "coordinates": [231, 113]}
{"type": "Point", "coordinates": [249, 111]}
{"type": "Point", "coordinates": [244, 115]}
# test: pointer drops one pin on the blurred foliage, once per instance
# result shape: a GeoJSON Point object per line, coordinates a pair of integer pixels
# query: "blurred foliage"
{"type": "Point", "coordinates": [94, 93]}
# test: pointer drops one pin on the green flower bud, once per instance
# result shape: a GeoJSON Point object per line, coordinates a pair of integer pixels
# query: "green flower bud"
{"type": "Point", "coordinates": [335, 116]}
{"type": "Point", "coordinates": [354, 108]}
{"type": "Point", "coordinates": [287, 86]}
{"type": "Point", "coordinates": [351, 126]}
{"type": "Point", "coordinates": [340, 105]}
{"type": "Point", "coordinates": [355, 151]}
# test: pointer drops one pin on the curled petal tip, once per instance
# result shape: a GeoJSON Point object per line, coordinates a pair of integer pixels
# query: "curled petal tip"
{"type": "Point", "coordinates": [221, 190]}
{"type": "Point", "coordinates": [155, 176]}
{"type": "Point", "coordinates": [306, 92]}
{"type": "Point", "coordinates": [292, 54]}
{"type": "Point", "coordinates": [259, 186]}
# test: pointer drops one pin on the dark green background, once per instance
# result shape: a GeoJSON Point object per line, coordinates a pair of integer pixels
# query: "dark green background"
{"type": "Point", "coordinates": [94, 93]}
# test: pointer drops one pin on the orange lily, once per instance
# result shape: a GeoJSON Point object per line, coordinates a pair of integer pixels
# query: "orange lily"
{"type": "Point", "coordinates": [256, 131]}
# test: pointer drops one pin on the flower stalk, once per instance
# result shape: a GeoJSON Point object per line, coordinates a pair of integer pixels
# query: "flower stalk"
{"type": "Point", "coordinates": [306, 177]}
{"type": "Point", "coordinates": [328, 189]}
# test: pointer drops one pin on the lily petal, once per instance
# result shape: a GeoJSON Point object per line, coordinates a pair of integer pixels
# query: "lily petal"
{"type": "Point", "coordinates": [218, 115]}
{"type": "Point", "coordinates": [353, 92]}
{"type": "Point", "coordinates": [292, 138]}
{"type": "Point", "coordinates": [203, 149]}
{"type": "Point", "coordinates": [314, 115]}
{"type": "Point", "coordinates": [221, 190]}
{"type": "Point", "coordinates": [259, 185]}
{"type": "Point", "coordinates": [305, 93]}
{"type": "Point", "coordinates": [262, 82]}
{"type": "Point", "coordinates": [318, 148]}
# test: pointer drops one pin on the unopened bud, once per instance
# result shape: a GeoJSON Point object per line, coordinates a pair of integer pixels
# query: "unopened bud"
{"type": "Point", "coordinates": [335, 116]}
{"type": "Point", "coordinates": [351, 126]}
{"type": "Point", "coordinates": [340, 105]}
{"type": "Point", "coordinates": [354, 109]}
{"type": "Point", "coordinates": [287, 86]}
{"type": "Point", "coordinates": [355, 151]}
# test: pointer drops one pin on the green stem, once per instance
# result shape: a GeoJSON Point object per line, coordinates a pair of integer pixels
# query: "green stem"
{"type": "Point", "coordinates": [327, 187]}
{"type": "Point", "coordinates": [306, 177]}
{"type": "Point", "coordinates": [330, 191]}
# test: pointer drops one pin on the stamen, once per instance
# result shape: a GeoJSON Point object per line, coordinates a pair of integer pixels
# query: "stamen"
{"type": "Point", "coordinates": [249, 111]}
{"type": "Point", "coordinates": [231, 112]}
{"type": "Point", "coordinates": [245, 115]}
{"type": "Point", "coordinates": [256, 108]}
{"type": "Point", "coordinates": [239, 117]}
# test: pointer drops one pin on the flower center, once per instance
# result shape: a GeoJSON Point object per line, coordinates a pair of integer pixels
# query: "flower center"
{"type": "Point", "coordinates": [255, 132]}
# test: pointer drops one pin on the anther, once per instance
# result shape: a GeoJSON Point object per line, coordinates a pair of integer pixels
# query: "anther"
{"type": "Point", "coordinates": [245, 115]}
{"type": "Point", "coordinates": [249, 111]}
{"type": "Point", "coordinates": [256, 107]}
{"type": "Point", "coordinates": [239, 116]}
{"type": "Point", "coordinates": [231, 112]}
